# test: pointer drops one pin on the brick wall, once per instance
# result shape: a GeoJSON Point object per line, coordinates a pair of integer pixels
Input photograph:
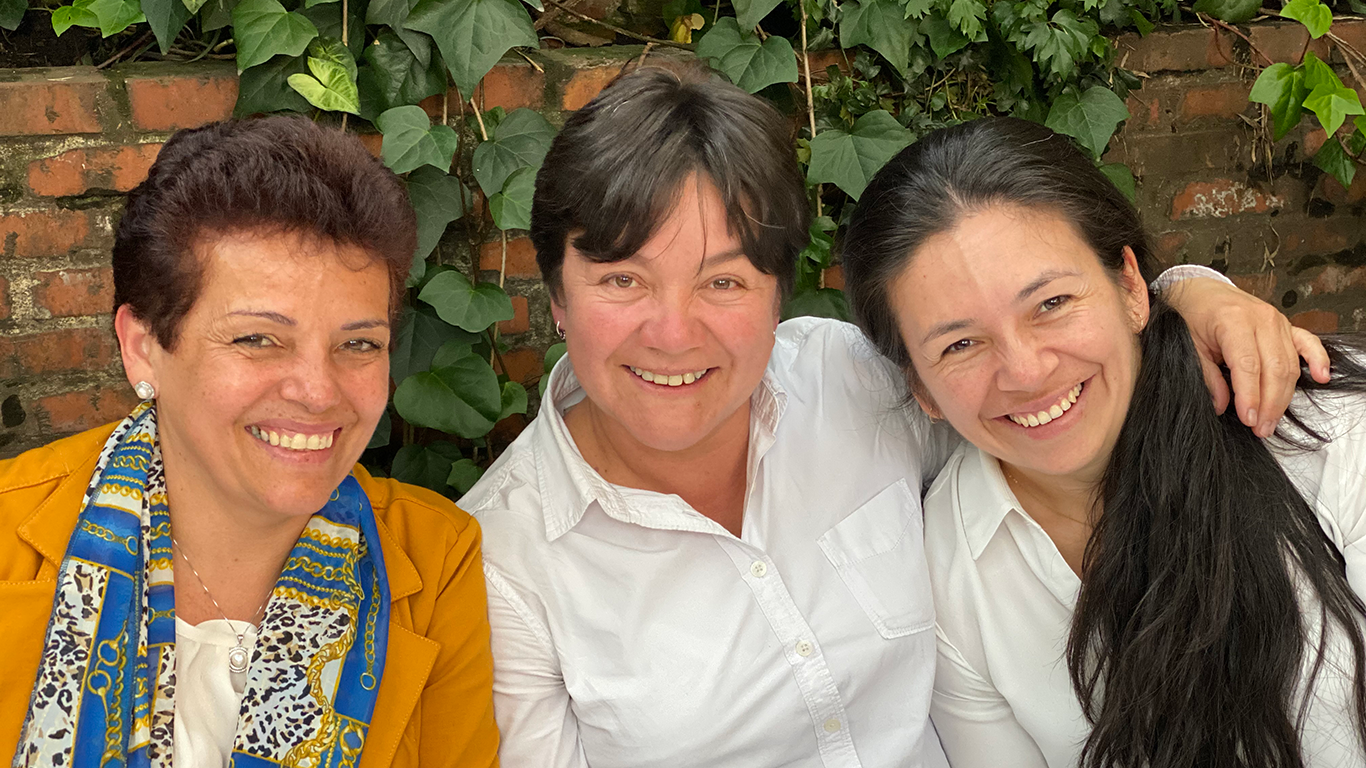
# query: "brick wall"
{"type": "Point", "coordinates": [73, 139]}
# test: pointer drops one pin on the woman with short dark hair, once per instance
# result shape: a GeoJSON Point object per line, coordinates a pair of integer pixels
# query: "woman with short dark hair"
{"type": "Point", "coordinates": [214, 580]}
{"type": "Point", "coordinates": [1124, 578]}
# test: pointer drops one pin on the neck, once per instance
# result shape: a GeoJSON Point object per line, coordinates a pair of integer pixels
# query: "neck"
{"type": "Point", "coordinates": [709, 476]}
{"type": "Point", "coordinates": [1068, 496]}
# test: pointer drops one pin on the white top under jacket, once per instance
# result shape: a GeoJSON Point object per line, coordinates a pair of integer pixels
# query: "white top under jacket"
{"type": "Point", "coordinates": [1005, 599]}
{"type": "Point", "coordinates": [630, 631]}
{"type": "Point", "coordinates": [208, 696]}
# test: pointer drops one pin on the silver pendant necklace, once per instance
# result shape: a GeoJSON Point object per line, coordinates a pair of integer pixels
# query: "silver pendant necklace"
{"type": "Point", "coordinates": [238, 657]}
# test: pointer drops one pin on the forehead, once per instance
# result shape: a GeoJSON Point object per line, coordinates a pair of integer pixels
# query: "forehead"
{"type": "Point", "coordinates": [288, 268]}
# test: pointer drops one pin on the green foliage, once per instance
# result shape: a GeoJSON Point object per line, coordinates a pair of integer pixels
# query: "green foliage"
{"type": "Point", "coordinates": [108, 16]}
{"type": "Point", "coordinates": [520, 140]}
{"type": "Point", "coordinates": [411, 141]}
{"type": "Point", "coordinates": [332, 86]}
{"type": "Point", "coordinates": [464, 304]}
{"type": "Point", "coordinates": [1312, 14]}
{"type": "Point", "coordinates": [473, 34]}
{"type": "Point", "coordinates": [749, 62]}
{"type": "Point", "coordinates": [263, 28]}
{"type": "Point", "coordinates": [511, 207]}
{"type": "Point", "coordinates": [1090, 118]}
{"type": "Point", "coordinates": [848, 159]}
{"type": "Point", "coordinates": [883, 26]}
{"type": "Point", "coordinates": [1281, 87]}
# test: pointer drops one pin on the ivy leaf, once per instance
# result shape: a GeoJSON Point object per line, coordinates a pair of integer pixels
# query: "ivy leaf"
{"type": "Point", "coordinates": [421, 334]}
{"type": "Point", "coordinates": [1061, 42]}
{"type": "Point", "coordinates": [12, 14]}
{"type": "Point", "coordinates": [403, 71]}
{"type": "Point", "coordinates": [1142, 24]}
{"type": "Point", "coordinates": [1123, 178]}
{"type": "Point", "coordinates": [462, 398]}
{"type": "Point", "coordinates": [1333, 159]}
{"type": "Point", "coordinates": [1281, 87]}
{"type": "Point", "coordinates": [422, 466]}
{"type": "Point", "coordinates": [473, 34]}
{"type": "Point", "coordinates": [1317, 73]}
{"type": "Point", "coordinates": [552, 356]}
{"type": "Point", "coordinates": [1332, 103]}
{"type": "Point", "coordinates": [1234, 11]}
{"type": "Point", "coordinates": [818, 302]}
{"type": "Point", "coordinates": [451, 352]}
{"type": "Point", "coordinates": [511, 208]}
{"type": "Point", "coordinates": [463, 475]}
{"type": "Point", "coordinates": [332, 86]}
{"type": "Point", "coordinates": [465, 305]}
{"type": "Point", "coordinates": [165, 17]}
{"type": "Point", "coordinates": [849, 160]}
{"type": "Point", "coordinates": [749, 63]}
{"type": "Point", "coordinates": [944, 39]}
{"type": "Point", "coordinates": [881, 25]}
{"type": "Point", "coordinates": [328, 19]}
{"type": "Point", "coordinates": [78, 14]}
{"type": "Point", "coordinates": [748, 13]}
{"type": "Point", "coordinates": [520, 140]}
{"type": "Point", "coordinates": [1091, 119]}
{"type": "Point", "coordinates": [917, 9]}
{"type": "Point", "coordinates": [263, 28]}
{"type": "Point", "coordinates": [389, 13]}
{"type": "Point", "coordinates": [967, 16]}
{"type": "Point", "coordinates": [110, 17]}
{"type": "Point", "coordinates": [436, 198]}
{"type": "Point", "coordinates": [265, 87]}
{"type": "Point", "coordinates": [514, 399]}
{"type": "Point", "coordinates": [411, 141]}
{"type": "Point", "coordinates": [1312, 14]}
{"type": "Point", "coordinates": [216, 14]}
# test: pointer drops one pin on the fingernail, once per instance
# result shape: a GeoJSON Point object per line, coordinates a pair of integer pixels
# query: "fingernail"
{"type": "Point", "coordinates": [1252, 417]}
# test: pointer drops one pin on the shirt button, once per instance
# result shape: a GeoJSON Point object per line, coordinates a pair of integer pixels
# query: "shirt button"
{"type": "Point", "coordinates": [758, 569]}
{"type": "Point", "coordinates": [832, 725]}
{"type": "Point", "coordinates": [804, 649]}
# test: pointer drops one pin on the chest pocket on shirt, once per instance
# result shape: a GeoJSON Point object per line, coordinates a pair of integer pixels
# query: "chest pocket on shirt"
{"type": "Point", "coordinates": [878, 550]}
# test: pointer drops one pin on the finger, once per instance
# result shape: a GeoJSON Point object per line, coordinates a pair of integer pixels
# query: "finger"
{"type": "Point", "coordinates": [1238, 341]}
{"type": "Point", "coordinates": [1310, 347]}
{"type": "Point", "coordinates": [1218, 387]}
{"type": "Point", "coordinates": [1280, 373]}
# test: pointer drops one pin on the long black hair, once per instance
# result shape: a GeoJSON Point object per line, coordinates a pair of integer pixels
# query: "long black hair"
{"type": "Point", "coordinates": [1183, 652]}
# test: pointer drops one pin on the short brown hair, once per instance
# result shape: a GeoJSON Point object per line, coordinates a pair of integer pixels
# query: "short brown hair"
{"type": "Point", "coordinates": [275, 173]}
{"type": "Point", "coordinates": [616, 170]}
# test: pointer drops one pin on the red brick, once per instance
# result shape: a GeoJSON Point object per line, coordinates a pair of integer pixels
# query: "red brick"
{"type": "Point", "coordinates": [78, 171]}
{"type": "Point", "coordinates": [172, 102]}
{"type": "Point", "coordinates": [1173, 49]}
{"type": "Point", "coordinates": [1284, 40]}
{"type": "Point", "coordinates": [521, 257]}
{"type": "Point", "coordinates": [78, 411]}
{"type": "Point", "coordinates": [1332, 190]}
{"type": "Point", "coordinates": [71, 349]}
{"type": "Point", "coordinates": [508, 85]}
{"type": "Point", "coordinates": [51, 101]}
{"type": "Point", "coordinates": [1169, 244]}
{"type": "Point", "coordinates": [523, 365]}
{"type": "Point", "coordinates": [372, 141]}
{"type": "Point", "coordinates": [4, 299]}
{"type": "Point", "coordinates": [584, 84]}
{"type": "Point", "coordinates": [1336, 279]}
{"type": "Point", "coordinates": [1262, 285]}
{"type": "Point", "coordinates": [1313, 141]}
{"type": "Point", "coordinates": [71, 292]}
{"type": "Point", "coordinates": [53, 232]}
{"type": "Point", "coordinates": [1220, 198]}
{"type": "Point", "coordinates": [520, 322]}
{"type": "Point", "coordinates": [819, 61]}
{"type": "Point", "coordinates": [1316, 320]}
{"type": "Point", "coordinates": [1226, 100]}
{"type": "Point", "coordinates": [834, 277]}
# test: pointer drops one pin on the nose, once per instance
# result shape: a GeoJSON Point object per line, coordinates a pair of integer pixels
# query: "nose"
{"type": "Point", "coordinates": [1026, 364]}
{"type": "Point", "coordinates": [312, 382]}
{"type": "Point", "coordinates": [672, 326]}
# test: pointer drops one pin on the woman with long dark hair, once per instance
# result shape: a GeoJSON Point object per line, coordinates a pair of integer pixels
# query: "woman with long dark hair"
{"type": "Point", "coordinates": [1122, 576]}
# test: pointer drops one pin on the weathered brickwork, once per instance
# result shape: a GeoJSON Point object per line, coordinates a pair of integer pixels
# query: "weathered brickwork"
{"type": "Point", "coordinates": [72, 140]}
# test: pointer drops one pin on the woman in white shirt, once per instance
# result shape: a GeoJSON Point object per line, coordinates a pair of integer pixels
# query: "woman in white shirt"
{"type": "Point", "coordinates": [706, 549]}
{"type": "Point", "coordinates": [1122, 577]}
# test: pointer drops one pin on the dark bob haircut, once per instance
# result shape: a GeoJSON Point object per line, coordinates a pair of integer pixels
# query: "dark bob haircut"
{"type": "Point", "coordinates": [272, 175]}
{"type": "Point", "coordinates": [613, 174]}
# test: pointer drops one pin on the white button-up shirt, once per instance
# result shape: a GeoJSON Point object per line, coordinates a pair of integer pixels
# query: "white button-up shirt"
{"type": "Point", "coordinates": [1002, 695]}
{"type": "Point", "coordinates": [631, 631]}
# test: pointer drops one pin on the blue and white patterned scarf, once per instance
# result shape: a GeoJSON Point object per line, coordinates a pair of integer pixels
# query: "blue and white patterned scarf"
{"type": "Point", "coordinates": [105, 694]}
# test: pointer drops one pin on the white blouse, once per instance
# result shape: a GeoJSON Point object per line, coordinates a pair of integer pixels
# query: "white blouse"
{"type": "Point", "coordinates": [208, 695]}
{"type": "Point", "coordinates": [631, 631]}
{"type": "Point", "coordinates": [1005, 598]}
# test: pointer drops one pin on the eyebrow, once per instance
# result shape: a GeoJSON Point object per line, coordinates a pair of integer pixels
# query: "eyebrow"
{"type": "Point", "coordinates": [276, 317]}
{"type": "Point", "coordinates": [722, 257]}
{"type": "Point", "coordinates": [957, 325]}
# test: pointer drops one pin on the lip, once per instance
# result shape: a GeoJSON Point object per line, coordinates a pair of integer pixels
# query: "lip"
{"type": "Point", "coordinates": [1056, 426]}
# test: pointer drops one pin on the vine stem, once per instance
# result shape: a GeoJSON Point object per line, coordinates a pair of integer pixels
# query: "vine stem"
{"type": "Point", "coordinates": [615, 28]}
{"type": "Point", "coordinates": [1348, 52]}
{"type": "Point", "coordinates": [345, 10]}
{"type": "Point", "coordinates": [479, 118]}
{"type": "Point", "coordinates": [125, 51]}
{"type": "Point", "coordinates": [1230, 28]}
{"type": "Point", "coordinates": [810, 105]}
{"type": "Point", "coordinates": [502, 273]}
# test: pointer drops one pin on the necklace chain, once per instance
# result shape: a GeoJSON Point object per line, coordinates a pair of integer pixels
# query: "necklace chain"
{"type": "Point", "coordinates": [207, 593]}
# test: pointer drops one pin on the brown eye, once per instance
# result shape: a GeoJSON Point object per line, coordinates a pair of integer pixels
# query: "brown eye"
{"type": "Point", "coordinates": [958, 346]}
{"type": "Point", "coordinates": [1051, 304]}
{"type": "Point", "coordinates": [723, 284]}
{"type": "Point", "coordinates": [622, 281]}
{"type": "Point", "coordinates": [254, 341]}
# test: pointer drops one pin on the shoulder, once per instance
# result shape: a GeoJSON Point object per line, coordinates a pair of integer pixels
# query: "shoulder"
{"type": "Point", "coordinates": [507, 500]}
{"type": "Point", "coordinates": [821, 356]}
{"type": "Point", "coordinates": [943, 518]}
{"type": "Point", "coordinates": [429, 528]}
{"type": "Point", "coordinates": [27, 480]}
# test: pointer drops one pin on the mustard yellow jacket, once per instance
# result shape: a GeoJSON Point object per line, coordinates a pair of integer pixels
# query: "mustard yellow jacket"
{"type": "Point", "coordinates": [435, 703]}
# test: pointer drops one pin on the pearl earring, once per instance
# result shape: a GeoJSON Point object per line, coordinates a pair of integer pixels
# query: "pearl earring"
{"type": "Point", "coordinates": [144, 391]}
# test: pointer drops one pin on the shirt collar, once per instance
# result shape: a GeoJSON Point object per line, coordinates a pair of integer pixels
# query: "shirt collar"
{"type": "Point", "coordinates": [985, 498]}
{"type": "Point", "coordinates": [563, 476]}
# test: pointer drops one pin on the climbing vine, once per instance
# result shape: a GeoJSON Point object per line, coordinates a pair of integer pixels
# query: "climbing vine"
{"type": "Point", "coordinates": [894, 70]}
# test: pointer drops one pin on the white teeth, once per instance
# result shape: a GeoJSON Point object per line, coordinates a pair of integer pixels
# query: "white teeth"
{"type": "Point", "coordinates": [296, 442]}
{"type": "Point", "coordinates": [669, 380]}
{"type": "Point", "coordinates": [1054, 411]}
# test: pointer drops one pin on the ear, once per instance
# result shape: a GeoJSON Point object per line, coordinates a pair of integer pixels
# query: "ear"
{"type": "Point", "coordinates": [1135, 291]}
{"type": "Point", "coordinates": [927, 405]}
{"type": "Point", "coordinates": [137, 346]}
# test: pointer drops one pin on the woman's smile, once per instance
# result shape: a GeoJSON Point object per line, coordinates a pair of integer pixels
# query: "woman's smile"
{"type": "Point", "coordinates": [1060, 413]}
{"type": "Point", "coordinates": [664, 379]}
